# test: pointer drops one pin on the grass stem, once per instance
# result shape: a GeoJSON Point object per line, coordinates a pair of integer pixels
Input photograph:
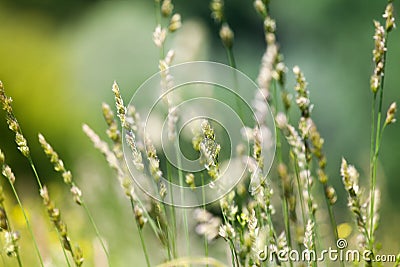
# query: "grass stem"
{"type": "Point", "coordinates": [374, 156]}
{"type": "Point", "coordinates": [146, 255]}
{"type": "Point", "coordinates": [185, 219]}
{"type": "Point", "coordinates": [28, 225]}
{"type": "Point", "coordinates": [89, 214]}
{"type": "Point", "coordinates": [204, 208]}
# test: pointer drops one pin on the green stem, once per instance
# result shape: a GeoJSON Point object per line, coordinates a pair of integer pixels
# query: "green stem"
{"type": "Point", "coordinates": [397, 263]}
{"type": "Point", "coordinates": [373, 178]}
{"type": "Point", "coordinates": [41, 187]}
{"type": "Point", "coordinates": [157, 10]}
{"type": "Point", "coordinates": [331, 216]}
{"type": "Point", "coordinates": [17, 254]}
{"type": "Point", "coordinates": [285, 209]}
{"type": "Point", "coordinates": [299, 188]}
{"type": "Point", "coordinates": [232, 63]}
{"type": "Point", "coordinates": [10, 231]}
{"type": "Point", "coordinates": [28, 225]}
{"type": "Point", "coordinates": [272, 233]}
{"type": "Point", "coordinates": [235, 260]}
{"type": "Point", "coordinates": [231, 57]}
{"type": "Point", "coordinates": [35, 172]}
{"type": "Point", "coordinates": [89, 214]}
{"type": "Point", "coordinates": [204, 207]}
{"type": "Point", "coordinates": [287, 224]}
{"type": "Point", "coordinates": [63, 249]}
{"type": "Point", "coordinates": [310, 204]}
{"type": "Point", "coordinates": [146, 255]}
{"type": "Point", "coordinates": [185, 219]}
{"type": "Point", "coordinates": [144, 247]}
{"type": "Point", "coordinates": [19, 260]}
{"type": "Point", "coordinates": [154, 226]}
{"type": "Point", "coordinates": [377, 146]}
{"type": "Point", "coordinates": [173, 213]}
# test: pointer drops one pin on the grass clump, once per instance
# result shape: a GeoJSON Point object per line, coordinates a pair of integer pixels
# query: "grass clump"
{"type": "Point", "coordinates": [298, 186]}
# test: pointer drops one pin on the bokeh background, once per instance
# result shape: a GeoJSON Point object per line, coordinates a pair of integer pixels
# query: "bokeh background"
{"type": "Point", "coordinates": [59, 59]}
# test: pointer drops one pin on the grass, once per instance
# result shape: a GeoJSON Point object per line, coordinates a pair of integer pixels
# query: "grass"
{"type": "Point", "coordinates": [246, 218]}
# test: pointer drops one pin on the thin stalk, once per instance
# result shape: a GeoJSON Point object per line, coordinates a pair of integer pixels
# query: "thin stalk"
{"type": "Point", "coordinates": [13, 242]}
{"type": "Point", "coordinates": [19, 260]}
{"type": "Point", "coordinates": [185, 219]}
{"type": "Point", "coordinates": [272, 233]}
{"type": "Point", "coordinates": [235, 260]}
{"type": "Point", "coordinates": [152, 223]}
{"type": "Point", "coordinates": [144, 247]}
{"type": "Point", "coordinates": [28, 225]}
{"type": "Point", "coordinates": [231, 245]}
{"type": "Point", "coordinates": [258, 214]}
{"type": "Point", "coordinates": [168, 248]}
{"type": "Point", "coordinates": [285, 209]}
{"type": "Point", "coordinates": [331, 217]}
{"type": "Point", "coordinates": [89, 214]}
{"type": "Point", "coordinates": [232, 63]}
{"type": "Point", "coordinates": [377, 146]}
{"type": "Point", "coordinates": [204, 207]}
{"type": "Point", "coordinates": [397, 263]}
{"type": "Point", "coordinates": [231, 57]}
{"type": "Point", "coordinates": [157, 9]}
{"type": "Point", "coordinates": [310, 205]}
{"type": "Point", "coordinates": [372, 167]}
{"type": "Point", "coordinates": [64, 252]}
{"type": "Point", "coordinates": [156, 224]}
{"type": "Point", "coordinates": [173, 212]}
{"type": "Point", "coordinates": [296, 170]}
{"type": "Point", "coordinates": [35, 172]}
{"type": "Point", "coordinates": [17, 254]}
{"type": "Point", "coordinates": [372, 141]}
{"type": "Point", "coordinates": [146, 255]}
{"type": "Point", "coordinates": [287, 225]}
{"type": "Point", "coordinates": [41, 187]}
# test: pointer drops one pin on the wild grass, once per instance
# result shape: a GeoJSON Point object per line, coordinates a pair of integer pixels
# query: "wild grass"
{"type": "Point", "coordinates": [245, 219]}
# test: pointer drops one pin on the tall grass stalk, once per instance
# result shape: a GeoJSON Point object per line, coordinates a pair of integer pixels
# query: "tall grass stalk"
{"type": "Point", "coordinates": [11, 237]}
{"type": "Point", "coordinates": [377, 86]}
{"type": "Point", "coordinates": [142, 241]}
{"type": "Point", "coordinates": [23, 147]}
{"type": "Point", "coordinates": [203, 195]}
{"type": "Point", "coordinates": [59, 167]}
{"type": "Point", "coordinates": [117, 164]}
{"type": "Point", "coordinates": [285, 206]}
{"type": "Point", "coordinates": [10, 179]}
{"type": "Point", "coordinates": [166, 10]}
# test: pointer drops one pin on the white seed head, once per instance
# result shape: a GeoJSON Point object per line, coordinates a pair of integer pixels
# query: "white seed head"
{"type": "Point", "coordinates": [7, 172]}
{"type": "Point", "coordinates": [175, 23]}
{"type": "Point", "coordinates": [226, 35]}
{"type": "Point", "coordinates": [159, 36]}
{"type": "Point", "coordinates": [390, 116]}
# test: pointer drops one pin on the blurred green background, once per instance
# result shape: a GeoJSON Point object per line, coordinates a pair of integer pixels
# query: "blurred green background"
{"type": "Point", "coordinates": [59, 59]}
